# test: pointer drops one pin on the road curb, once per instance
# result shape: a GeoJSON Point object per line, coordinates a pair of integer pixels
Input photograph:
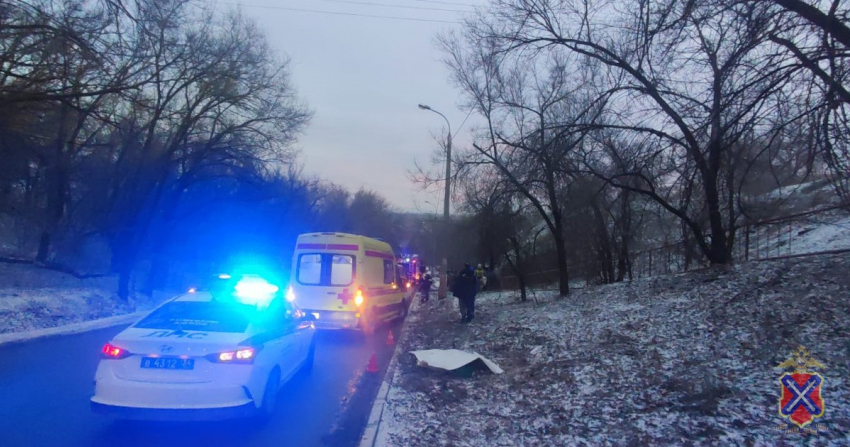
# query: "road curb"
{"type": "Point", "coordinates": [372, 431]}
{"type": "Point", "coordinates": [75, 328]}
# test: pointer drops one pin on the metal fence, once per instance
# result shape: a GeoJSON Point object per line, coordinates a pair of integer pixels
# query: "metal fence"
{"type": "Point", "coordinates": [777, 238]}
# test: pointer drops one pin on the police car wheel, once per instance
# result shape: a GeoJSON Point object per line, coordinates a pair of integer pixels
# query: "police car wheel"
{"type": "Point", "coordinates": [307, 366]}
{"type": "Point", "coordinates": [269, 397]}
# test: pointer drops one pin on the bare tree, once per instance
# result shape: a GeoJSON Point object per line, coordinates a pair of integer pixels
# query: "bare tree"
{"type": "Point", "coordinates": [220, 103]}
{"type": "Point", "coordinates": [81, 115]}
{"type": "Point", "coordinates": [817, 37]}
{"type": "Point", "coordinates": [40, 38]}
{"type": "Point", "coordinates": [688, 79]}
{"type": "Point", "coordinates": [536, 119]}
{"type": "Point", "coordinates": [485, 195]}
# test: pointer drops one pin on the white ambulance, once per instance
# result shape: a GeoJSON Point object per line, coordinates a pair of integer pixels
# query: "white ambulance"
{"type": "Point", "coordinates": [346, 281]}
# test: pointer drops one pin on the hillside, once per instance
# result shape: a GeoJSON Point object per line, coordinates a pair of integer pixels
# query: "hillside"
{"type": "Point", "coordinates": [672, 360]}
{"type": "Point", "coordinates": [35, 298]}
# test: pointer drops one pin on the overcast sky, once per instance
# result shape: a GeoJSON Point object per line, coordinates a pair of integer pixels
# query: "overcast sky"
{"type": "Point", "coordinates": [363, 77]}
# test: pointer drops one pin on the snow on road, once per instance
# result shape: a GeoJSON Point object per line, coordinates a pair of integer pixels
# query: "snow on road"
{"type": "Point", "coordinates": [661, 361]}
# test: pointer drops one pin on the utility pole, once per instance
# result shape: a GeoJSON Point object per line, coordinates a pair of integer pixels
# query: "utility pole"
{"type": "Point", "coordinates": [444, 277]}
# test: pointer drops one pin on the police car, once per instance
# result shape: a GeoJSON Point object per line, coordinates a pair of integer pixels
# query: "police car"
{"type": "Point", "coordinates": [211, 354]}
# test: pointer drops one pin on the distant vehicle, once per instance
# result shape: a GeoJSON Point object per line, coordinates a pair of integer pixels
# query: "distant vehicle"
{"type": "Point", "coordinates": [411, 265]}
{"type": "Point", "coordinates": [347, 281]}
{"type": "Point", "coordinates": [403, 278]}
{"type": "Point", "coordinates": [215, 354]}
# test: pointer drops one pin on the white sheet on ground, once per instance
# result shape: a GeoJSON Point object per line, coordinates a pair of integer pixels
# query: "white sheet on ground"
{"type": "Point", "coordinates": [451, 359]}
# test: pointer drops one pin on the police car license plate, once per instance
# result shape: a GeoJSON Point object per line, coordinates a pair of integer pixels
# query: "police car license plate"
{"type": "Point", "coordinates": [167, 363]}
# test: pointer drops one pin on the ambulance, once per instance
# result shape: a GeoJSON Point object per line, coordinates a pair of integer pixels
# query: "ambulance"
{"type": "Point", "coordinates": [346, 281]}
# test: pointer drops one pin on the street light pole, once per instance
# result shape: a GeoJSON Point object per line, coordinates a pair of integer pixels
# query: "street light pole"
{"type": "Point", "coordinates": [434, 231]}
{"type": "Point", "coordinates": [444, 277]}
{"type": "Point", "coordinates": [436, 213]}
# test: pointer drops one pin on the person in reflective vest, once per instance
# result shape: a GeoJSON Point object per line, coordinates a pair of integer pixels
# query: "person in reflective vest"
{"type": "Point", "coordinates": [480, 277]}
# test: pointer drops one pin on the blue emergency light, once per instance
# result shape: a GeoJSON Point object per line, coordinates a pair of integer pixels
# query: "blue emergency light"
{"type": "Point", "coordinates": [254, 289]}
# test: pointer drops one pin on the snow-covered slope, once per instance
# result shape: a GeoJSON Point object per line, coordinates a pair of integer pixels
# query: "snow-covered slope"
{"type": "Point", "coordinates": [810, 234]}
{"type": "Point", "coordinates": [799, 198]}
{"type": "Point", "coordinates": [831, 235]}
{"type": "Point", "coordinates": [33, 298]}
{"type": "Point", "coordinates": [675, 360]}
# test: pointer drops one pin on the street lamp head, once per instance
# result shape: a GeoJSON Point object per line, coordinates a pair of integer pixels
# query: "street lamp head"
{"type": "Point", "coordinates": [424, 107]}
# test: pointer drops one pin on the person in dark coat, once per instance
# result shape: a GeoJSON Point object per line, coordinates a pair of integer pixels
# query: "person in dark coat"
{"type": "Point", "coordinates": [465, 288]}
{"type": "Point", "coordinates": [425, 287]}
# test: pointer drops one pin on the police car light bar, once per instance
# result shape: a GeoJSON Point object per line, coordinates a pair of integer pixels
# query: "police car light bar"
{"type": "Point", "coordinates": [254, 290]}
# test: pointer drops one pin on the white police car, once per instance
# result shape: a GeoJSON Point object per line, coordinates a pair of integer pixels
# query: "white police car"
{"type": "Point", "coordinates": [206, 355]}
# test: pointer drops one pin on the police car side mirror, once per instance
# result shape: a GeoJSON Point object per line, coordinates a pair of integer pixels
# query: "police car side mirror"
{"type": "Point", "coordinates": [308, 317]}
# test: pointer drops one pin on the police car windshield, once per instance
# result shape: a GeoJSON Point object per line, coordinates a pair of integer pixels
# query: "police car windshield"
{"type": "Point", "coordinates": [211, 316]}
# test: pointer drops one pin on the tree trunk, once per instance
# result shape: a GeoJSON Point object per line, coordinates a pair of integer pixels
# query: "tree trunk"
{"type": "Point", "coordinates": [55, 211]}
{"type": "Point", "coordinates": [686, 246]}
{"type": "Point", "coordinates": [157, 276]}
{"type": "Point", "coordinates": [606, 256]}
{"type": "Point", "coordinates": [123, 261]}
{"type": "Point", "coordinates": [125, 250]}
{"type": "Point", "coordinates": [125, 273]}
{"type": "Point", "coordinates": [523, 294]}
{"type": "Point", "coordinates": [44, 242]}
{"type": "Point", "coordinates": [623, 262]}
{"type": "Point", "coordinates": [160, 269]}
{"type": "Point", "coordinates": [517, 268]}
{"type": "Point", "coordinates": [718, 250]}
{"type": "Point", "coordinates": [563, 272]}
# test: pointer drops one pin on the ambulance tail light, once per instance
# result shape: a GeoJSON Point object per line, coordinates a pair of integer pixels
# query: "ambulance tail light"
{"type": "Point", "coordinates": [358, 297]}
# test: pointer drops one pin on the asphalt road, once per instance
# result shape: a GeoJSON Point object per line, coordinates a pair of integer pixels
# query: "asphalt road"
{"type": "Point", "coordinates": [45, 386]}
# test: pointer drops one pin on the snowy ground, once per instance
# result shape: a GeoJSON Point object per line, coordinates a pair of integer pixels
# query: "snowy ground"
{"type": "Point", "coordinates": [32, 298]}
{"type": "Point", "coordinates": [688, 359]}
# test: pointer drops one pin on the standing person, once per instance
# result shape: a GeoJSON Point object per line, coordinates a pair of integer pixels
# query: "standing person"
{"type": "Point", "coordinates": [479, 272]}
{"type": "Point", "coordinates": [465, 288]}
{"type": "Point", "coordinates": [425, 287]}
{"type": "Point", "coordinates": [470, 298]}
{"type": "Point", "coordinates": [479, 276]}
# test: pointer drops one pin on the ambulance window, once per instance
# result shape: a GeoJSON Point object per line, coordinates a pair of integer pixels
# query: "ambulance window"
{"type": "Point", "coordinates": [342, 270]}
{"type": "Point", "coordinates": [310, 269]}
{"type": "Point", "coordinates": [389, 272]}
